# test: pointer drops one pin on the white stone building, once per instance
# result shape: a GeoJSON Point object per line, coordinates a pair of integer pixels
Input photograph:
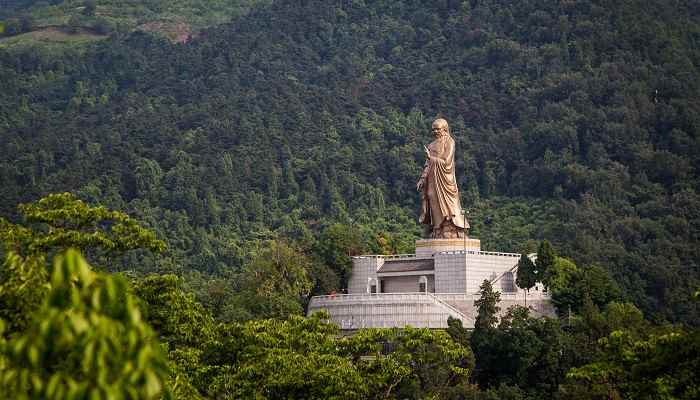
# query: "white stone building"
{"type": "Point", "coordinates": [441, 279]}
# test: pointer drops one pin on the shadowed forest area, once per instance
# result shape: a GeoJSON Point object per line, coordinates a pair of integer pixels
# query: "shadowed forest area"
{"type": "Point", "coordinates": [264, 152]}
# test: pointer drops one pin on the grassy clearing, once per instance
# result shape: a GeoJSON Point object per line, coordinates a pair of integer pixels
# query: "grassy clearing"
{"type": "Point", "coordinates": [49, 36]}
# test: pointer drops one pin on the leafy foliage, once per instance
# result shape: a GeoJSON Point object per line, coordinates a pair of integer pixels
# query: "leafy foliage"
{"type": "Point", "coordinates": [87, 339]}
{"type": "Point", "coordinates": [305, 358]}
{"type": "Point", "coordinates": [23, 285]}
{"type": "Point", "coordinates": [52, 225]}
{"type": "Point", "coordinates": [660, 367]}
{"type": "Point", "coordinates": [173, 313]}
{"type": "Point", "coordinates": [530, 353]}
{"type": "Point", "coordinates": [296, 131]}
{"type": "Point", "coordinates": [591, 282]}
{"type": "Point", "coordinates": [61, 221]}
{"type": "Point", "coordinates": [275, 281]}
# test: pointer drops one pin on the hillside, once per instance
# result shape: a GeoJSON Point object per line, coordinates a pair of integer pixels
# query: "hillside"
{"type": "Point", "coordinates": [576, 122]}
{"type": "Point", "coordinates": [39, 22]}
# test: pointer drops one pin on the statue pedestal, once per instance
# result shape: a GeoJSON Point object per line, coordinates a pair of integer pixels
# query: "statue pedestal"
{"type": "Point", "coordinates": [428, 247]}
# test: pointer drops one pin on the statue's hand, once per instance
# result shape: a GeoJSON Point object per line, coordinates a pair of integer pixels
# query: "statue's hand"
{"type": "Point", "coordinates": [427, 152]}
{"type": "Point", "coordinates": [419, 185]}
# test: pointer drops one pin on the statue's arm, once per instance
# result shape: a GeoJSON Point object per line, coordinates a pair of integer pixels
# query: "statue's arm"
{"type": "Point", "coordinates": [426, 167]}
{"type": "Point", "coordinates": [423, 175]}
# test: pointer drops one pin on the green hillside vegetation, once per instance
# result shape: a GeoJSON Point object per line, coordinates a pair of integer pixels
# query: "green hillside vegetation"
{"type": "Point", "coordinates": [574, 122]}
{"type": "Point", "coordinates": [57, 21]}
{"type": "Point", "coordinates": [267, 151]}
{"type": "Point", "coordinates": [69, 331]}
{"type": "Point", "coordinates": [50, 36]}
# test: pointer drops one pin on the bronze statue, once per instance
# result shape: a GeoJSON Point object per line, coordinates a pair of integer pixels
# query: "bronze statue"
{"type": "Point", "coordinates": [440, 207]}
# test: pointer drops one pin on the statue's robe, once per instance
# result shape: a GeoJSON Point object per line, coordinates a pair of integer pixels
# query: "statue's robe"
{"type": "Point", "coordinates": [440, 194]}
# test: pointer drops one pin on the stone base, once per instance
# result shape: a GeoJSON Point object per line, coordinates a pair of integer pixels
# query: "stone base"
{"type": "Point", "coordinates": [428, 247]}
{"type": "Point", "coordinates": [447, 230]}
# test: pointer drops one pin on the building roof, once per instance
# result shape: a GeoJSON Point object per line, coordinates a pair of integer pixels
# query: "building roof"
{"type": "Point", "coordinates": [413, 264]}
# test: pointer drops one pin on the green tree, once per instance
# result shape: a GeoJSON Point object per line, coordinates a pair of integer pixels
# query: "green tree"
{"type": "Point", "coordinates": [336, 244]}
{"type": "Point", "coordinates": [177, 317]}
{"type": "Point", "coordinates": [483, 335]}
{"type": "Point", "coordinates": [561, 274]}
{"type": "Point", "coordinates": [23, 286]}
{"type": "Point", "coordinates": [184, 325]}
{"type": "Point", "coordinates": [275, 281]}
{"type": "Point", "coordinates": [87, 340]}
{"type": "Point", "coordinates": [531, 353]}
{"type": "Point", "coordinates": [487, 307]}
{"type": "Point", "coordinates": [544, 262]}
{"type": "Point", "coordinates": [53, 224]}
{"type": "Point", "coordinates": [627, 317]}
{"type": "Point", "coordinates": [438, 367]}
{"type": "Point", "coordinates": [60, 221]}
{"type": "Point", "coordinates": [660, 367]}
{"type": "Point", "coordinates": [457, 332]}
{"type": "Point", "coordinates": [593, 282]}
{"type": "Point", "coordinates": [526, 277]}
{"type": "Point", "coordinates": [299, 358]}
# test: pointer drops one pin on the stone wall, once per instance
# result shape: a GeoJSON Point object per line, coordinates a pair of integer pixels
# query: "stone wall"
{"type": "Point", "coordinates": [357, 311]}
{"type": "Point", "coordinates": [406, 284]}
{"type": "Point", "coordinates": [364, 271]}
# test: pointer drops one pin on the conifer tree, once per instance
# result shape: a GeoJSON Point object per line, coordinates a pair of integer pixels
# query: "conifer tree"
{"type": "Point", "coordinates": [545, 259]}
{"type": "Point", "coordinates": [484, 337]}
{"type": "Point", "coordinates": [487, 307]}
{"type": "Point", "coordinates": [526, 276]}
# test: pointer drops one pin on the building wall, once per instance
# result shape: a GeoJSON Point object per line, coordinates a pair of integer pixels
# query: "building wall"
{"type": "Point", "coordinates": [450, 272]}
{"type": "Point", "coordinates": [455, 272]}
{"type": "Point", "coordinates": [406, 284]}
{"type": "Point", "coordinates": [364, 269]}
{"type": "Point", "coordinates": [358, 311]}
{"type": "Point", "coordinates": [454, 287]}
{"type": "Point", "coordinates": [540, 306]}
{"type": "Point", "coordinates": [352, 312]}
{"type": "Point", "coordinates": [486, 265]}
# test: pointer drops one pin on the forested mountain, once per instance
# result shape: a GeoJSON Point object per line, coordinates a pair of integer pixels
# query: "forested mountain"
{"type": "Point", "coordinates": [229, 176]}
{"type": "Point", "coordinates": [575, 121]}
{"type": "Point", "coordinates": [74, 22]}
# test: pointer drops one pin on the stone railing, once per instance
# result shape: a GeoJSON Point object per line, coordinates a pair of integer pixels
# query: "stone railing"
{"type": "Point", "coordinates": [383, 310]}
{"type": "Point", "coordinates": [473, 252]}
{"type": "Point", "coordinates": [480, 253]}
{"type": "Point", "coordinates": [389, 256]}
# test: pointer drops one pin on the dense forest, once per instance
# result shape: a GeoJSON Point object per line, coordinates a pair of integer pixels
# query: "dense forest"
{"type": "Point", "coordinates": [266, 151]}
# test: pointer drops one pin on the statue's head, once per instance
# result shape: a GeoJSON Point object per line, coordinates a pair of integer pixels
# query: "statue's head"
{"type": "Point", "coordinates": [440, 128]}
